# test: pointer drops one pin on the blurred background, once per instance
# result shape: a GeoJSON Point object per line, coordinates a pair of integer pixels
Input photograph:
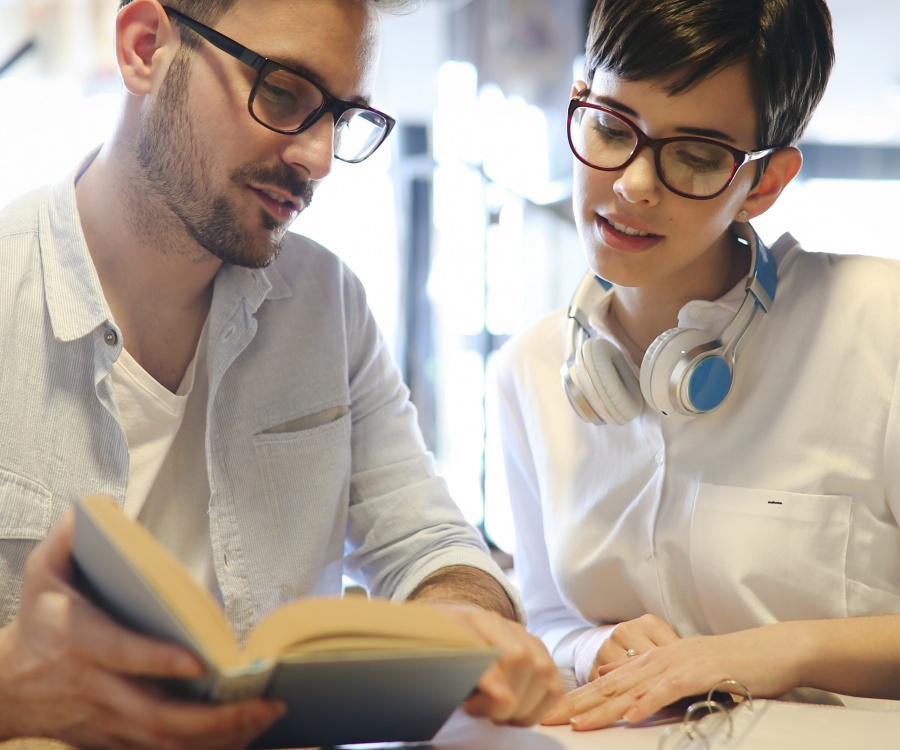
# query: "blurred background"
{"type": "Point", "coordinates": [461, 226]}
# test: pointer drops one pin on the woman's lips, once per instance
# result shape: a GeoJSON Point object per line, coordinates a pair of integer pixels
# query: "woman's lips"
{"type": "Point", "coordinates": [620, 235]}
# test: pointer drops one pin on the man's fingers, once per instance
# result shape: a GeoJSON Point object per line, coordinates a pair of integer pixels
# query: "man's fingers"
{"type": "Point", "coordinates": [53, 554]}
{"type": "Point", "coordinates": [523, 684]}
{"type": "Point", "coordinates": [203, 727]}
{"type": "Point", "coordinates": [198, 728]}
{"type": "Point", "coordinates": [111, 646]}
{"type": "Point", "coordinates": [71, 673]}
{"type": "Point", "coordinates": [137, 716]}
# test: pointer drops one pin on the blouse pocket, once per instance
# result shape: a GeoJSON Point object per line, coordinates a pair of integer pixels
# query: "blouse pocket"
{"type": "Point", "coordinates": [25, 519]}
{"type": "Point", "coordinates": [762, 556]}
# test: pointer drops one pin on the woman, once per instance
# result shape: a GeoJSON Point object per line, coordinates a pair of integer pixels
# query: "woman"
{"type": "Point", "coordinates": [712, 493]}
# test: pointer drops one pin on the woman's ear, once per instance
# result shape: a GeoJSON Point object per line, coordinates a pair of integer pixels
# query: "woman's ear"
{"type": "Point", "coordinates": [577, 88]}
{"type": "Point", "coordinates": [783, 167]}
{"type": "Point", "coordinates": [146, 43]}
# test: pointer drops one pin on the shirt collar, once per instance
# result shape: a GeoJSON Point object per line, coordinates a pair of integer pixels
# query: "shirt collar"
{"type": "Point", "coordinates": [255, 285]}
{"type": "Point", "coordinates": [714, 315]}
{"type": "Point", "coordinates": [75, 299]}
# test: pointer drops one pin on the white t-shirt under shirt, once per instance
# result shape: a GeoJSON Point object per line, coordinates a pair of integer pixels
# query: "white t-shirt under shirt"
{"type": "Point", "coordinates": [168, 486]}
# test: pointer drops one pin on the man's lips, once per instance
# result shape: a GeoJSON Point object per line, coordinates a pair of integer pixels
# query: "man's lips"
{"type": "Point", "coordinates": [278, 196]}
{"type": "Point", "coordinates": [281, 205]}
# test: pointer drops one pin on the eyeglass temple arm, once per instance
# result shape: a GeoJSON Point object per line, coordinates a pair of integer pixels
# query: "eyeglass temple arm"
{"type": "Point", "coordinates": [224, 43]}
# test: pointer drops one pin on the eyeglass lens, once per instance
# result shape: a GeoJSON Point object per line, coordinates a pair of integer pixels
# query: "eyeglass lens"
{"type": "Point", "coordinates": [285, 101]}
{"type": "Point", "coordinates": [688, 166]}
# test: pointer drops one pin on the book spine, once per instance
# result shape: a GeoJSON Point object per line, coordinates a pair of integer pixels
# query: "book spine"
{"type": "Point", "coordinates": [244, 682]}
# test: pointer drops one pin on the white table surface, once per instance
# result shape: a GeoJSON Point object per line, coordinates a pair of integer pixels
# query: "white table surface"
{"type": "Point", "coordinates": [767, 725]}
{"type": "Point", "coordinates": [462, 732]}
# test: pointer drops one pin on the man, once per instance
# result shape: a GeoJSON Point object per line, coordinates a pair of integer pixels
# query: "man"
{"type": "Point", "coordinates": [168, 344]}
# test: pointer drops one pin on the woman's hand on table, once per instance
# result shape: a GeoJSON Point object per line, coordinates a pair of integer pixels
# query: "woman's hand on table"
{"type": "Point", "coordinates": [639, 686]}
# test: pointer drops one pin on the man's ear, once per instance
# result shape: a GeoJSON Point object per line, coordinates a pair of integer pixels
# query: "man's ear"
{"type": "Point", "coordinates": [146, 42]}
{"type": "Point", "coordinates": [783, 167]}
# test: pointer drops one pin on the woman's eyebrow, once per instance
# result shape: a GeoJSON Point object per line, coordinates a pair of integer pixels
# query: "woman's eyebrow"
{"type": "Point", "coordinates": [612, 103]}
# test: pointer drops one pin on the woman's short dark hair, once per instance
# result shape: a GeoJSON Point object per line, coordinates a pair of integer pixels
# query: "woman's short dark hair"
{"type": "Point", "coordinates": [786, 44]}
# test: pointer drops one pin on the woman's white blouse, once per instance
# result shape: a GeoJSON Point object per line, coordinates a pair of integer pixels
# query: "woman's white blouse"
{"type": "Point", "coordinates": [780, 505]}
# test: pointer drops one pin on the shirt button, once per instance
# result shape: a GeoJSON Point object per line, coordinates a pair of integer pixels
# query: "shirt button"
{"type": "Point", "coordinates": [110, 337]}
{"type": "Point", "coordinates": [648, 552]}
{"type": "Point", "coordinates": [658, 458]}
{"type": "Point", "coordinates": [229, 333]}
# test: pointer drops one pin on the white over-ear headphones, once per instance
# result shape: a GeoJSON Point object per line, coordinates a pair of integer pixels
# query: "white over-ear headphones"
{"type": "Point", "coordinates": [685, 371]}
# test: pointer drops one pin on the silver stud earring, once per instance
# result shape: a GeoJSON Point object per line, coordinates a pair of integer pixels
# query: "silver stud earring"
{"type": "Point", "coordinates": [743, 215]}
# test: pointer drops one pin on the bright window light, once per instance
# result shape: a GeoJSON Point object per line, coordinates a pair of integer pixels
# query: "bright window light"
{"type": "Point", "coordinates": [461, 382]}
{"type": "Point", "coordinates": [515, 142]}
{"type": "Point", "coordinates": [353, 214]}
{"type": "Point", "coordinates": [46, 139]}
{"type": "Point", "coordinates": [836, 216]}
{"type": "Point", "coordinates": [505, 269]}
{"type": "Point", "coordinates": [456, 282]}
{"type": "Point", "coordinates": [457, 130]}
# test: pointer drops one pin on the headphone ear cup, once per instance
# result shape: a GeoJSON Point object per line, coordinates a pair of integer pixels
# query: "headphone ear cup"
{"type": "Point", "coordinates": [615, 393]}
{"type": "Point", "coordinates": [648, 365]}
{"type": "Point", "coordinates": [661, 363]}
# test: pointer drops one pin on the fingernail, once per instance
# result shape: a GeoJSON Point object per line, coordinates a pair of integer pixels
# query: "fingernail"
{"type": "Point", "coordinates": [630, 715]}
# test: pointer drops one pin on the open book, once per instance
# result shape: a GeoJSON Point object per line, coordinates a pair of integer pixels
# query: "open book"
{"type": "Point", "coordinates": [349, 669]}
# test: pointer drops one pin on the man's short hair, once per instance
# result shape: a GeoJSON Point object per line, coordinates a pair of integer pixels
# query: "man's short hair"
{"type": "Point", "coordinates": [786, 44]}
{"type": "Point", "coordinates": [204, 11]}
{"type": "Point", "coordinates": [210, 11]}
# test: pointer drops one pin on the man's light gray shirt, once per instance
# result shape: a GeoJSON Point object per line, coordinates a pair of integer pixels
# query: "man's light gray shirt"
{"type": "Point", "coordinates": [315, 462]}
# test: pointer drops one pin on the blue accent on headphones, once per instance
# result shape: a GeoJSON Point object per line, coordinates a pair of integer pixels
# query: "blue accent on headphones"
{"type": "Point", "coordinates": [764, 269]}
{"type": "Point", "coordinates": [709, 384]}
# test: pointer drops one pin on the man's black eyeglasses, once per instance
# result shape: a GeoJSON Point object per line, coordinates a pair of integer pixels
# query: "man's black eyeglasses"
{"type": "Point", "coordinates": [287, 101]}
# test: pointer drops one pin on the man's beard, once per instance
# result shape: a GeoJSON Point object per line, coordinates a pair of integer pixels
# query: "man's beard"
{"type": "Point", "coordinates": [171, 158]}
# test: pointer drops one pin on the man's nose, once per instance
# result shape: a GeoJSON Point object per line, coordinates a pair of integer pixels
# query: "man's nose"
{"type": "Point", "coordinates": [312, 151]}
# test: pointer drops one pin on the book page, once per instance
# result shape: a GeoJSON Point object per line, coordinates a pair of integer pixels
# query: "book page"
{"type": "Point", "coordinates": [152, 588]}
{"type": "Point", "coordinates": [119, 540]}
{"type": "Point", "coordinates": [326, 624]}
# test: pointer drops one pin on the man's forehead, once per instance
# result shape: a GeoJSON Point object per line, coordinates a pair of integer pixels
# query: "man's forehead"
{"type": "Point", "coordinates": [337, 41]}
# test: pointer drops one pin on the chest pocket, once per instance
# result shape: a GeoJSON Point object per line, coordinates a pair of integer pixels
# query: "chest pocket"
{"type": "Point", "coordinates": [305, 490]}
{"type": "Point", "coordinates": [760, 556]}
{"type": "Point", "coordinates": [25, 519]}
